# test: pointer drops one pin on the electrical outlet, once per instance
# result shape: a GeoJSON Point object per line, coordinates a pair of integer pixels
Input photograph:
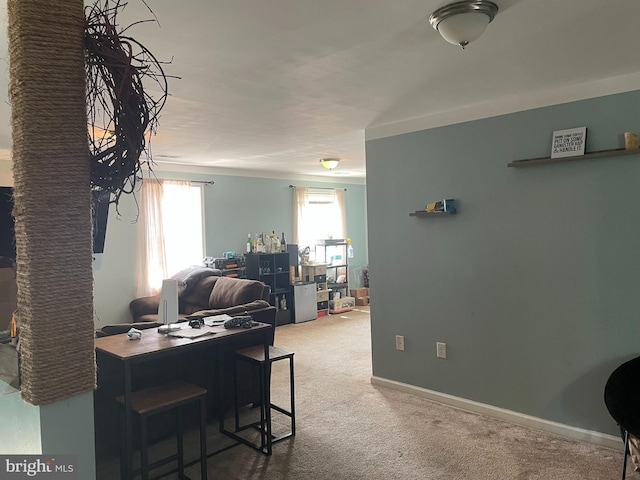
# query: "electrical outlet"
{"type": "Point", "coordinates": [399, 342]}
{"type": "Point", "coordinates": [441, 350]}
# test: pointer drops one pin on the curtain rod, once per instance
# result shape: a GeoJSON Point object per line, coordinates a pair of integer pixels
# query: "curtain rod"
{"type": "Point", "coordinates": [210, 182]}
{"type": "Point", "coordinates": [321, 188]}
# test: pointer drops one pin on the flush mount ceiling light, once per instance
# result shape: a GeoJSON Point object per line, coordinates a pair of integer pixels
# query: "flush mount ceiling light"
{"type": "Point", "coordinates": [463, 22]}
{"type": "Point", "coordinates": [329, 163]}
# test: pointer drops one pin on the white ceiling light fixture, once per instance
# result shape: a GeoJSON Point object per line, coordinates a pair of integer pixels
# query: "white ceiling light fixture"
{"type": "Point", "coordinates": [329, 163]}
{"type": "Point", "coordinates": [463, 22]}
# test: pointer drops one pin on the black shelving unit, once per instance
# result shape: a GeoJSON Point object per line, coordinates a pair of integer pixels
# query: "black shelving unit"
{"type": "Point", "coordinates": [273, 269]}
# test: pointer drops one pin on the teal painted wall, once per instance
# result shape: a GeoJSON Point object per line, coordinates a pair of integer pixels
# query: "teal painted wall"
{"type": "Point", "coordinates": [64, 427]}
{"type": "Point", "coordinates": [20, 424]}
{"type": "Point", "coordinates": [234, 206]}
{"type": "Point", "coordinates": [533, 285]}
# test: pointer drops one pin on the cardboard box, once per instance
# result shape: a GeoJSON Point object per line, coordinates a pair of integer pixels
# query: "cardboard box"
{"type": "Point", "coordinates": [341, 304]}
{"type": "Point", "coordinates": [359, 292]}
{"type": "Point", "coordinates": [362, 301]}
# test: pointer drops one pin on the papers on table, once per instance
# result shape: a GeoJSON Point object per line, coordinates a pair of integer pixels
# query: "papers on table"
{"type": "Point", "coordinates": [216, 320]}
{"type": "Point", "coordinates": [192, 332]}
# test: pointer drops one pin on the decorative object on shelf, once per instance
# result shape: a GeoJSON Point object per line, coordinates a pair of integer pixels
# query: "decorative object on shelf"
{"type": "Point", "coordinates": [329, 163]}
{"type": "Point", "coordinates": [462, 22]}
{"type": "Point", "coordinates": [616, 152]}
{"type": "Point", "coordinates": [447, 205]}
{"type": "Point", "coordinates": [569, 142]}
{"type": "Point", "coordinates": [631, 141]}
{"type": "Point", "coordinates": [443, 207]}
{"type": "Point", "coordinates": [304, 255]}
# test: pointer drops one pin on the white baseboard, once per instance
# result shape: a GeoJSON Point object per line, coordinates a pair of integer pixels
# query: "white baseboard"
{"type": "Point", "coordinates": [597, 438]}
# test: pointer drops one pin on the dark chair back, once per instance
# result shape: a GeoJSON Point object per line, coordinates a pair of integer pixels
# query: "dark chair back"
{"type": "Point", "coordinates": [622, 398]}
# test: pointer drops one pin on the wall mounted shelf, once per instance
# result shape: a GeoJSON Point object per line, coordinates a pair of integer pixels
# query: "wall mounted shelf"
{"type": "Point", "coordinates": [424, 213]}
{"type": "Point", "coordinates": [530, 162]}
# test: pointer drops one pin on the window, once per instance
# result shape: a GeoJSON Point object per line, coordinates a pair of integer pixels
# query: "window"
{"type": "Point", "coordinates": [171, 231]}
{"type": "Point", "coordinates": [318, 213]}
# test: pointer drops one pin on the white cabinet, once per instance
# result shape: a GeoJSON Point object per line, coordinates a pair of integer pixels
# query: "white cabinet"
{"type": "Point", "coordinates": [317, 273]}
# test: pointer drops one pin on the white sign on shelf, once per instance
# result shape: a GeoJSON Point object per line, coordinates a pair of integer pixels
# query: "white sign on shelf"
{"type": "Point", "coordinates": [568, 143]}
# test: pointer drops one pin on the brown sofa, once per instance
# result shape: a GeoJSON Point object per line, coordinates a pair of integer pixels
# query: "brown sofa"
{"type": "Point", "coordinates": [203, 292]}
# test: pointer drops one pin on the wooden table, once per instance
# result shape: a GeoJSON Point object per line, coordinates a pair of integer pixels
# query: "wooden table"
{"type": "Point", "coordinates": [153, 346]}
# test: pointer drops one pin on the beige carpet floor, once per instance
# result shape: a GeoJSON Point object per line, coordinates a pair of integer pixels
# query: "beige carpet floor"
{"type": "Point", "coordinates": [350, 429]}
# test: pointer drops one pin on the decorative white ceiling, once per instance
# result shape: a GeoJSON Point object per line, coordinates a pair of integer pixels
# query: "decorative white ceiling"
{"type": "Point", "coordinates": [273, 86]}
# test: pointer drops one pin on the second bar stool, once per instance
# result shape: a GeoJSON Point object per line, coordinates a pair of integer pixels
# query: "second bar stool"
{"type": "Point", "coordinates": [255, 355]}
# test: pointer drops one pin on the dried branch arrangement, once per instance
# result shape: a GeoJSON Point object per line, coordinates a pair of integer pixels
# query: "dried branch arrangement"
{"type": "Point", "coordinates": [122, 115]}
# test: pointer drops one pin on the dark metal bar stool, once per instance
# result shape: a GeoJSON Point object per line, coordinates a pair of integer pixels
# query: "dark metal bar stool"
{"type": "Point", "coordinates": [154, 400]}
{"type": "Point", "coordinates": [621, 394]}
{"type": "Point", "coordinates": [255, 356]}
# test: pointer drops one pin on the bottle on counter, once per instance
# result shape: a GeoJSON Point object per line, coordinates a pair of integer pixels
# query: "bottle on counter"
{"type": "Point", "coordinates": [260, 247]}
{"type": "Point", "coordinates": [283, 243]}
{"type": "Point", "coordinates": [249, 243]}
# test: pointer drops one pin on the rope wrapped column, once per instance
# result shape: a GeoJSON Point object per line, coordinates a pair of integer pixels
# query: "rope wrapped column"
{"type": "Point", "coordinates": [52, 198]}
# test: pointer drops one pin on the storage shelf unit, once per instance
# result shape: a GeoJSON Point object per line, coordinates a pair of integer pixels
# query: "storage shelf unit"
{"type": "Point", "coordinates": [617, 152]}
{"type": "Point", "coordinates": [273, 269]}
{"type": "Point", "coordinates": [318, 273]}
{"type": "Point", "coordinates": [333, 253]}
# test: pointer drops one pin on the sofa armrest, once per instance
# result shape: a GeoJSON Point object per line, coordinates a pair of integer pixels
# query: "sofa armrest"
{"type": "Point", "coordinates": [144, 306]}
{"type": "Point", "coordinates": [241, 309]}
{"type": "Point", "coordinates": [118, 328]}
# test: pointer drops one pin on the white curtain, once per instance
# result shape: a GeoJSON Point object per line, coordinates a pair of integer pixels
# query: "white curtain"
{"type": "Point", "coordinates": [168, 209]}
{"type": "Point", "coordinates": [152, 257]}
{"type": "Point", "coordinates": [342, 209]}
{"type": "Point", "coordinates": [300, 195]}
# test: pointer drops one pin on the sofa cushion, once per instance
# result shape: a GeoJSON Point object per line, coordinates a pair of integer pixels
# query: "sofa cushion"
{"type": "Point", "coordinates": [228, 292]}
{"type": "Point", "coordinates": [189, 277]}
{"type": "Point", "coordinates": [198, 297]}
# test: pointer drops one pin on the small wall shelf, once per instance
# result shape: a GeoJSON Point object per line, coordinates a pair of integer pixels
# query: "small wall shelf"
{"type": "Point", "coordinates": [530, 162]}
{"type": "Point", "coordinates": [424, 213]}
